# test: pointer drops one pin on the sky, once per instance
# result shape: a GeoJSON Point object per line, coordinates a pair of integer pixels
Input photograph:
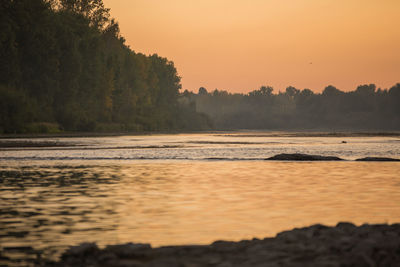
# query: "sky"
{"type": "Point", "coordinates": [240, 45]}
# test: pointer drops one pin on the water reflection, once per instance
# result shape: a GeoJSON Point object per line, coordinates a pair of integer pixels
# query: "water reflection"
{"type": "Point", "coordinates": [50, 207]}
{"type": "Point", "coordinates": [45, 208]}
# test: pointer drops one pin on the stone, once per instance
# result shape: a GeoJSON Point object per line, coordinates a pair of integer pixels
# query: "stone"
{"type": "Point", "coordinates": [377, 159]}
{"type": "Point", "coordinates": [303, 157]}
{"type": "Point", "coordinates": [342, 245]}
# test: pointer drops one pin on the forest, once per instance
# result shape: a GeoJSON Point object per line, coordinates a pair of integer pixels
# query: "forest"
{"type": "Point", "coordinates": [366, 108]}
{"type": "Point", "coordinates": [64, 66]}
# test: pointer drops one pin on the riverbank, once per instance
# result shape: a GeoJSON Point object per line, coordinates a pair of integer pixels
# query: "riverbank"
{"type": "Point", "coordinates": [227, 133]}
{"type": "Point", "coordinates": [317, 245]}
{"type": "Point", "coordinates": [98, 134]}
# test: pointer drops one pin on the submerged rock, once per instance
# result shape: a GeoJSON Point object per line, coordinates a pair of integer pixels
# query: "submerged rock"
{"type": "Point", "coordinates": [301, 157]}
{"type": "Point", "coordinates": [317, 245]}
{"type": "Point", "coordinates": [81, 250]}
{"type": "Point", "coordinates": [377, 159]}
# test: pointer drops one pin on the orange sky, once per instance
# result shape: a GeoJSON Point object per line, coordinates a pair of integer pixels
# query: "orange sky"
{"type": "Point", "coordinates": [239, 45]}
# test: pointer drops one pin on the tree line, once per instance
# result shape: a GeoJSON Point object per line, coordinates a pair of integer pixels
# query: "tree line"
{"type": "Point", "coordinates": [366, 108]}
{"type": "Point", "coordinates": [64, 66]}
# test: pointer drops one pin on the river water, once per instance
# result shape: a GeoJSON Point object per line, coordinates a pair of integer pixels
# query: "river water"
{"type": "Point", "coordinates": [185, 189]}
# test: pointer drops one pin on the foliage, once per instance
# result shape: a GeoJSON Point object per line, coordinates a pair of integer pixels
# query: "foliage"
{"type": "Point", "coordinates": [63, 64]}
{"type": "Point", "coordinates": [65, 67]}
{"type": "Point", "coordinates": [366, 108]}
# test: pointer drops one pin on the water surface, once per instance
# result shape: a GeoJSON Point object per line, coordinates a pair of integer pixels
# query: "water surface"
{"type": "Point", "coordinates": [231, 146]}
{"type": "Point", "coordinates": [165, 190]}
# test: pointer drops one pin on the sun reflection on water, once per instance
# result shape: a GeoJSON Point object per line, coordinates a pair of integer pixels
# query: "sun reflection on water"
{"type": "Point", "coordinates": [49, 207]}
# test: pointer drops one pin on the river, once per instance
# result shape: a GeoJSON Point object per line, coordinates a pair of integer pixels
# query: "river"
{"type": "Point", "coordinates": [186, 188]}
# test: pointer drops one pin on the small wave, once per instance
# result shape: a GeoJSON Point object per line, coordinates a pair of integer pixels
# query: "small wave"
{"type": "Point", "coordinates": [89, 159]}
{"type": "Point", "coordinates": [124, 158]}
{"type": "Point", "coordinates": [232, 159]}
{"type": "Point", "coordinates": [278, 157]}
{"type": "Point", "coordinates": [89, 148]}
{"type": "Point", "coordinates": [231, 143]}
{"type": "Point", "coordinates": [4, 144]}
{"type": "Point", "coordinates": [314, 134]}
{"type": "Point", "coordinates": [222, 143]}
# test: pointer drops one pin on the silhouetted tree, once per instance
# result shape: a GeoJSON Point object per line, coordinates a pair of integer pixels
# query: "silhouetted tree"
{"type": "Point", "coordinates": [365, 108]}
{"type": "Point", "coordinates": [202, 91]}
{"type": "Point", "coordinates": [64, 64]}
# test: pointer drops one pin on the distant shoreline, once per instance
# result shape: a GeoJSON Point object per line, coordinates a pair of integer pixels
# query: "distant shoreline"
{"type": "Point", "coordinates": [238, 133]}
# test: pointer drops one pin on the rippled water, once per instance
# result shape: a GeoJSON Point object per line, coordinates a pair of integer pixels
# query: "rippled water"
{"type": "Point", "coordinates": [111, 190]}
{"type": "Point", "coordinates": [238, 146]}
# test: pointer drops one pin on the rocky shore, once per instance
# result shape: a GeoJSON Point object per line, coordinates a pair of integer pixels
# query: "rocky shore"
{"type": "Point", "coordinates": [317, 245]}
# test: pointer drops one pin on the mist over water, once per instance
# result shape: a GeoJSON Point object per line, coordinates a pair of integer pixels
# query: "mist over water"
{"type": "Point", "coordinates": [186, 189]}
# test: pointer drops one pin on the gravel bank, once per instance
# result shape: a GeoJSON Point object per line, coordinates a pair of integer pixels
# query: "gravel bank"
{"type": "Point", "coordinates": [317, 245]}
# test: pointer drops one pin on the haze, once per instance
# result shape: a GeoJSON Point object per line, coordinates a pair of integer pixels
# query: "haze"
{"type": "Point", "coordinates": [239, 45]}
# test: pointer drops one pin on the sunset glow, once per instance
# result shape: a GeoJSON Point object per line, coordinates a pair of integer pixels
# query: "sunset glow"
{"type": "Point", "coordinates": [240, 45]}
